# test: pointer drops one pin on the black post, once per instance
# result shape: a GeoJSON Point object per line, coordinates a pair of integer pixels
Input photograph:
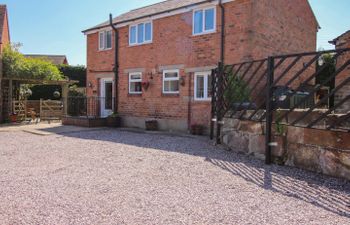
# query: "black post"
{"type": "Point", "coordinates": [219, 101]}
{"type": "Point", "coordinates": [213, 103]}
{"type": "Point", "coordinates": [269, 109]}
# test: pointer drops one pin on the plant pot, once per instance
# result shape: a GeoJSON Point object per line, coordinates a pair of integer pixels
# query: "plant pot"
{"type": "Point", "coordinates": [151, 125]}
{"type": "Point", "coordinates": [113, 121]}
{"type": "Point", "coordinates": [13, 118]}
{"type": "Point", "coordinates": [197, 129]}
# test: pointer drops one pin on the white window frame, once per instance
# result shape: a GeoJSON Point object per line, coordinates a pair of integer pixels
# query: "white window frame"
{"type": "Point", "coordinates": [103, 47]}
{"type": "Point", "coordinates": [171, 79]}
{"type": "Point", "coordinates": [203, 24]}
{"type": "Point", "coordinates": [206, 76]}
{"type": "Point", "coordinates": [144, 33]}
{"type": "Point", "coordinates": [135, 81]}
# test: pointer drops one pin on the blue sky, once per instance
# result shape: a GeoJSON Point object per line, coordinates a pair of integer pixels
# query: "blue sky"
{"type": "Point", "coordinates": [54, 26]}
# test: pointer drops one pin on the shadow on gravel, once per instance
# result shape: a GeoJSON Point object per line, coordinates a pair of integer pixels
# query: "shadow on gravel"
{"type": "Point", "coordinates": [329, 193]}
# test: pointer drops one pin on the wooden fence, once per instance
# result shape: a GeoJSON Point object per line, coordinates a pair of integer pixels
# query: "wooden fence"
{"type": "Point", "coordinates": [45, 109]}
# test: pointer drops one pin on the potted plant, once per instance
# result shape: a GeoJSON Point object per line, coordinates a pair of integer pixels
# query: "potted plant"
{"type": "Point", "coordinates": [13, 117]}
{"type": "Point", "coordinates": [151, 125]}
{"type": "Point", "coordinates": [113, 120]}
{"type": "Point", "coordinates": [197, 129]}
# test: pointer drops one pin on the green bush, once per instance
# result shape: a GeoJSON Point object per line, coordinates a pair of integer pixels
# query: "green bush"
{"type": "Point", "coordinates": [237, 90]}
{"type": "Point", "coordinates": [16, 65]}
{"type": "Point", "coordinates": [74, 73]}
{"type": "Point", "coordinates": [45, 92]}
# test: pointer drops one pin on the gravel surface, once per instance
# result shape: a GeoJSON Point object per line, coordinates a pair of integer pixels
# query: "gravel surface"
{"type": "Point", "coordinates": [120, 177]}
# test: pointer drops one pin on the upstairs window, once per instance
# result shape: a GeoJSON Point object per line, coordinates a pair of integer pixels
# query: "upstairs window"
{"type": "Point", "coordinates": [140, 33]}
{"type": "Point", "coordinates": [171, 81]}
{"type": "Point", "coordinates": [135, 83]}
{"type": "Point", "coordinates": [105, 40]}
{"type": "Point", "coordinates": [204, 21]}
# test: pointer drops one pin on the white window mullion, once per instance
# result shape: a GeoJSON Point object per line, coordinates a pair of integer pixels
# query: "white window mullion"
{"type": "Point", "coordinates": [144, 32]}
{"type": "Point", "coordinates": [105, 40]}
{"type": "Point", "coordinates": [205, 95]}
{"type": "Point", "coordinates": [137, 34]}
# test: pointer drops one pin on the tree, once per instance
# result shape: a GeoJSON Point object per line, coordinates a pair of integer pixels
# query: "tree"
{"type": "Point", "coordinates": [16, 65]}
{"type": "Point", "coordinates": [74, 73]}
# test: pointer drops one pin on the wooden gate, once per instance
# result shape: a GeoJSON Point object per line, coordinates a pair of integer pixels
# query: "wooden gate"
{"type": "Point", "coordinates": [19, 107]}
{"type": "Point", "coordinates": [51, 110]}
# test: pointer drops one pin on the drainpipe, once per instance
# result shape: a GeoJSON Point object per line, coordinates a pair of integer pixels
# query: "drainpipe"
{"type": "Point", "coordinates": [220, 70]}
{"type": "Point", "coordinates": [222, 41]}
{"type": "Point", "coordinates": [116, 63]}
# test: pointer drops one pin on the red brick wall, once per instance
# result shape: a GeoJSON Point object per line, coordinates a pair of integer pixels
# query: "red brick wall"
{"type": "Point", "coordinates": [343, 42]}
{"type": "Point", "coordinates": [249, 35]}
{"type": "Point", "coordinates": [284, 27]}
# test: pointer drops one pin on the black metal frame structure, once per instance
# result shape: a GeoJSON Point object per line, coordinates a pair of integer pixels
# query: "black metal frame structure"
{"type": "Point", "coordinates": [260, 98]}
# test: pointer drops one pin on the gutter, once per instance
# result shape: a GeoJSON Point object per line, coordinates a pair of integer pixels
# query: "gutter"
{"type": "Point", "coordinates": [116, 63]}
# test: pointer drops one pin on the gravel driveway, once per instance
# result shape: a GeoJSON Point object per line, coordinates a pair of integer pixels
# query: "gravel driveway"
{"type": "Point", "coordinates": [119, 177]}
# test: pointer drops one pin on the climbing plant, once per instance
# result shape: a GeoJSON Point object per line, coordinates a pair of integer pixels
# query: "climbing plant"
{"type": "Point", "coordinates": [16, 65]}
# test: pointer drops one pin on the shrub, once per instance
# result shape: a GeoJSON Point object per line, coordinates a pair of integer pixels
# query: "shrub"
{"type": "Point", "coordinates": [16, 65]}
{"type": "Point", "coordinates": [237, 90]}
{"type": "Point", "coordinates": [74, 73]}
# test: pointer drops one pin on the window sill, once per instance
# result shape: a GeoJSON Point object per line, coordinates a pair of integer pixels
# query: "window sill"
{"type": "Point", "coordinates": [171, 95]}
{"type": "Point", "coordinates": [103, 50]}
{"type": "Point", "coordinates": [134, 94]}
{"type": "Point", "coordinates": [202, 99]}
{"type": "Point", "coordinates": [204, 33]}
{"type": "Point", "coordinates": [134, 45]}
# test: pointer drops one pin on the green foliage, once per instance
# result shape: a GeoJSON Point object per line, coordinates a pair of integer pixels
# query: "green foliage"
{"type": "Point", "coordinates": [237, 90]}
{"type": "Point", "coordinates": [330, 67]}
{"type": "Point", "coordinates": [74, 73]}
{"type": "Point", "coordinates": [73, 92]}
{"type": "Point", "coordinates": [45, 92]}
{"type": "Point", "coordinates": [113, 115]}
{"type": "Point", "coordinates": [280, 127]}
{"type": "Point", "coordinates": [16, 65]}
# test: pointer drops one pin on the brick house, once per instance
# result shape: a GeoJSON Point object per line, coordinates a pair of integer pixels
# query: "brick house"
{"type": "Point", "coordinates": [341, 42]}
{"type": "Point", "coordinates": [167, 50]}
{"type": "Point", "coordinates": [4, 40]}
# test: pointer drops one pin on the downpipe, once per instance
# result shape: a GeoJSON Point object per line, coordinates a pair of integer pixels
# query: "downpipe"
{"type": "Point", "coordinates": [116, 63]}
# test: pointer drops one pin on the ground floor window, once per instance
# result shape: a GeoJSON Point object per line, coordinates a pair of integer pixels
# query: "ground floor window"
{"type": "Point", "coordinates": [202, 86]}
{"type": "Point", "coordinates": [171, 81]}
{"type": "Point", "coordinates": [135, 83]}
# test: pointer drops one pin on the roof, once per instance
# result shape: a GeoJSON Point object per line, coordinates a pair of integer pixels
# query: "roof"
{"type": "Point", "coordinates": [55, 59]}
{"type": "Point", "coordinates": [334, 41]}
{"type": "Point", "coordinates": [158, 8]}
{"type": "Point", "coordinates": [3, 12]}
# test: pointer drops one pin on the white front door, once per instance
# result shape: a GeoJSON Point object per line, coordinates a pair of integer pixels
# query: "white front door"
{"type": "Point", "coordinates": [107, 100]}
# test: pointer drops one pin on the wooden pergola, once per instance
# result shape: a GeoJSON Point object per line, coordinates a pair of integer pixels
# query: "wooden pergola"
{"type": "Point", "coordinates": [63, 83]}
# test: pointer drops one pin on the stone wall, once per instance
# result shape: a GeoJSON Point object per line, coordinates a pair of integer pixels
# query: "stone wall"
{"type": "Point", "coordinates": [321, 151]}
